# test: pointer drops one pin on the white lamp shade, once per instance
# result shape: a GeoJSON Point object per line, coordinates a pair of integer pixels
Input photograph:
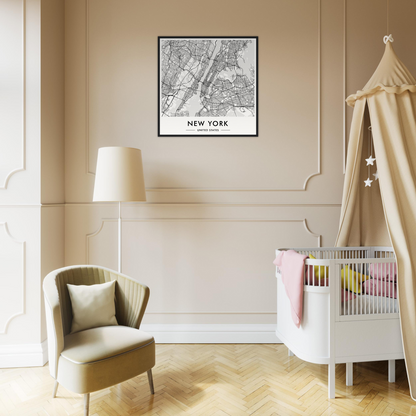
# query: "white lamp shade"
{"type": "Point", "coordinates": [119, 175]}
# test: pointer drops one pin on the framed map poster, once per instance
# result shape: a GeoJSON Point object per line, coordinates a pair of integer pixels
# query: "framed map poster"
{"type": "Point", "coordinates": [208, 86]}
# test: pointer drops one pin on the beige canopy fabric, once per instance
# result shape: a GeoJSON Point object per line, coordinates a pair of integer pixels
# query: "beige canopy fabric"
{"type": "Point", "coordinates": [385, 213]}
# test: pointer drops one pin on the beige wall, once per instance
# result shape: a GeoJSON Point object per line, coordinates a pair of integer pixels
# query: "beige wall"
{"type": "Point", "coordinates": [52, 102]}
{"type": "Point", "coordinates": [19, 102]}
{"type": "Point", "coordinates": [217, 207]}
{"type": "Point", "coordinates": [31, 172]}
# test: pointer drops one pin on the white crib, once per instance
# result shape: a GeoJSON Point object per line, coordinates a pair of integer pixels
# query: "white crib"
{"type": "Point", "coordinates": [335, 330]}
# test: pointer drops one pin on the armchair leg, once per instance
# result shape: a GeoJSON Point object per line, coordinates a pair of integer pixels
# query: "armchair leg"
{"type": "Point", "coordinates": [55, 389]}
{"type": "Point", "coordinates": [86, 404]}
{"type": "Point", "coordinates": [349, 374]}
{"type": "Point", "coordinates": [392, 371]}
{"type": "Point", "coordinates": [150, 377]}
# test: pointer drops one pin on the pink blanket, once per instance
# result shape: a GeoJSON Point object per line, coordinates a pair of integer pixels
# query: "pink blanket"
{"type": "Point", "coordinates": [291, 265]}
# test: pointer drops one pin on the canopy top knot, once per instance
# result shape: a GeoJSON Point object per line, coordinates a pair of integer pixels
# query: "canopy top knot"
{"type": "Point", "coordinates": [388, 38]}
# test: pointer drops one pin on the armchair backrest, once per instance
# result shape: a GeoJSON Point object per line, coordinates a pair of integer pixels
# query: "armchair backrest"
{"type": "Point", "coordinates": [131, 302]}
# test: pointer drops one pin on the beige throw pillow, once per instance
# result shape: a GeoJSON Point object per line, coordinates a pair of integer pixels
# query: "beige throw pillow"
{"type": "Point", "coordinates": [92, 306]}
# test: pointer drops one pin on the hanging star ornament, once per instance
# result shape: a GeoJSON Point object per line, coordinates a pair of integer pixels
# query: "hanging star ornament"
{"type": "Point", "coordinates": [370, 160]}
{"type": "Point", "coordinates": [375, 176]}
{"type": "Point", "coordinates": [368, 182]}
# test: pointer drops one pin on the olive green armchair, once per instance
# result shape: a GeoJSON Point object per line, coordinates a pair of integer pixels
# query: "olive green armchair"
{"type": "Point", "coordinates": [96, 358]}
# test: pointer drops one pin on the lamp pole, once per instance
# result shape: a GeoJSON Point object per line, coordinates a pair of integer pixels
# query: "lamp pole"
{"type": "Point", "coordinates": [119, 236]}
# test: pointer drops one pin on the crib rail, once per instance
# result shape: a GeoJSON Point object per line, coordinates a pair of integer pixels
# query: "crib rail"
{"type": "Point", "coordinates": [384, 252]}
{"type": "Point", "coordinates": [337, 252]}
{"type": "Point", "coordinates": [368, 286]}
{"type": "Point", "coordinates": [345, 252]}
{"type": "Point", "coordinates": [364, 278]}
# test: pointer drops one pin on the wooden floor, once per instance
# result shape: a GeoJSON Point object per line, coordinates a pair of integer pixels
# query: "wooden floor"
{"type": "Point", "coordinates": [218, 380]}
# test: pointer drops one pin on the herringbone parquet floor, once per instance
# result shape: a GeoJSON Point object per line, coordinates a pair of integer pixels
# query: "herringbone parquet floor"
{"type": "Point", "coordinates": [218, 380]}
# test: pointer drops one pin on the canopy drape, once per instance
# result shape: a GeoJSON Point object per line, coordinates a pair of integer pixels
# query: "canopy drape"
{"type": "Point", "coordinates": [385, 213]}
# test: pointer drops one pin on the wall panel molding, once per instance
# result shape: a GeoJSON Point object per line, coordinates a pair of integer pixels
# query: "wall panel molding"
{"type": "Point", "coordinates": [344, 92]}
{"type": "Point", "coordinates": [303, 222]}
{"type": "Point", "coordinates": [87, 88]}
{"type": "Point", "coordinates": [22, 166]}
{"type": "Point", "coordinates": [214, 189]}
{"type": "Point", "coordinates": [195, 204]}
{"type": "Point", "coordinates": [106, 220]}
{"type": "Point", "coordinates": [10, 276]}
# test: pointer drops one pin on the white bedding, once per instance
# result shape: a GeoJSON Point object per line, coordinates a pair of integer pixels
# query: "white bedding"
{"type": "Point", "coordinates": [368, 304]}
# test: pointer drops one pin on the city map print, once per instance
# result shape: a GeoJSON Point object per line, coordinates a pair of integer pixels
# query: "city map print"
{"type": "Point", "coordinates": [208, 86]}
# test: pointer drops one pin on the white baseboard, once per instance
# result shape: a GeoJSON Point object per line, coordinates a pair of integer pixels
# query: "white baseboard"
{"type": "Point", "coordinates": [24, 355]}
{"type": "Point", "coordinates": [213, 334]}
{"type": "Point", "coordinates": [36, 355]}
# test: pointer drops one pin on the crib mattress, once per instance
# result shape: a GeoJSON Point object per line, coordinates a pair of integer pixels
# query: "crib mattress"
{"type": "Point", "coordinates": [369, 304]}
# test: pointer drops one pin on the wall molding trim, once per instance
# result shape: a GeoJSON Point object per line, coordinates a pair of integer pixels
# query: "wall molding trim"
{"type": "Point", "coordinates": [23, 160]}
{"type": "Point", "coordinates": [184, 189]}
{"type": "Point", "coordinates": [104, 220]}
{"type": "Point", "coordinates": [24, 355]}
{"type": "Point", "coordinates": [14, 205]}
{"type": "Point", "coordinates": [344, 92]}
{"type": "Point", "coordinates": [23, 279]}
{"type": "Point", "coordinates": [193, 204]}
{"type": "Point", "coordinates": [87, 88]}
{"type": "Point", "coordinates": [170, 204]}
{"type": "Point", "coordinates": [213, 333]}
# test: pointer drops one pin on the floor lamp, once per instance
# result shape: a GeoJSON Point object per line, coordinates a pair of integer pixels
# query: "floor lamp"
{"type": "Point", "coordinates": [119, 177]}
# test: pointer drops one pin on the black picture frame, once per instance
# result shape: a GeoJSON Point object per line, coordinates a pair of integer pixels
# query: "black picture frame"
{"type": "Point", "coordinates": [216, 93]}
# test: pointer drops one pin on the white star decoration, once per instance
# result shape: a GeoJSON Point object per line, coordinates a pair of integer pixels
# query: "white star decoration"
{"type": "Point", "coordinates": [368, 182]}
{"type": "Point", "coordinates": [375, 176]}
{"type": "Point", "coordinates": [370, 160]}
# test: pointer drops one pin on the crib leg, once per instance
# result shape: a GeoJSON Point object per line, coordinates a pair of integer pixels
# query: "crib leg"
{"type": "Point", "coordinates": [349, 374]}
{"type": "Point", "coordinates": [392, 371]}
{"type": "Point", "coordinates": [290, 353]}
{"type": "Point", "coordinates": [331, 381]}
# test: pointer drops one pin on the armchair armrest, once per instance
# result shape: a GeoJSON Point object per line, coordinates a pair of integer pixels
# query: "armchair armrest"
{"type": "Point", "coordinates": [131, 301]}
